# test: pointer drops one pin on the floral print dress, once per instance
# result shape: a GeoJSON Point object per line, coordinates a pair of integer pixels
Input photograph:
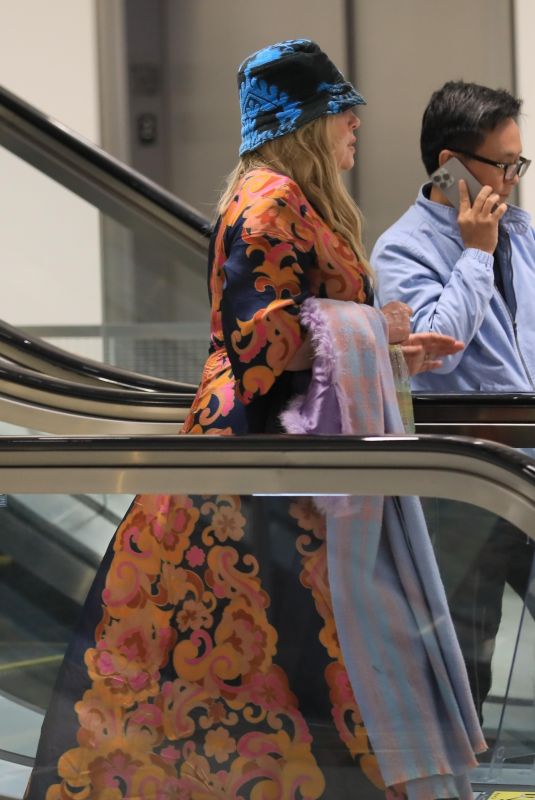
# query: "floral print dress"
{"type": "Point", "coordinates": [269, 252]}
{"type": "Point", "coordinates": [207, 664]}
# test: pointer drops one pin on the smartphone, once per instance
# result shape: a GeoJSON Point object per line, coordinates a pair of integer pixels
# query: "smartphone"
{"type": "Point", "coordinates": [446, 178]}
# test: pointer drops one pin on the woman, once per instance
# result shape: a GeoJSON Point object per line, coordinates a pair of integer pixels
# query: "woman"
{"type": "Point", "coordinates": [286, 213]}
{"type": "Point", "coordinates": [208, 663]}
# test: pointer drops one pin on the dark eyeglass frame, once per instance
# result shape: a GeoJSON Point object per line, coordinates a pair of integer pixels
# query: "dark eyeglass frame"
{"type": "Point", "coordinates": [510, 171]}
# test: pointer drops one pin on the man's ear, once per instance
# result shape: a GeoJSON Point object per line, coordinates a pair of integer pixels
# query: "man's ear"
{"type": "Point", "coordinates": [444, 156]}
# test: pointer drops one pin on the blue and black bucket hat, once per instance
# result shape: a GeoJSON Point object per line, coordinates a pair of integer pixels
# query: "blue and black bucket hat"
{"type": "Point", "coordinates": [286, 85]}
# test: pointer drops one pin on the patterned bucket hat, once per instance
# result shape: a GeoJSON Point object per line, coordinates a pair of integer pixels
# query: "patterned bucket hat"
{"type": "Point", "coordinates": [286, 85]}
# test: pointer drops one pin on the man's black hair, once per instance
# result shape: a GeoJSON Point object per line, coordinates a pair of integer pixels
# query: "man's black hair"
{"type": "Point", "coordinates": [460, 115]}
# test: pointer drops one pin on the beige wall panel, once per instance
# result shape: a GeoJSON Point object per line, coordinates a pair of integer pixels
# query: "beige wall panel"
{"type": "Point", "coordinates": [525, 72]}
{"type": "Point", "coordinates": [403, 52]}
{"type": "Point", "coordinates": [206, 42]}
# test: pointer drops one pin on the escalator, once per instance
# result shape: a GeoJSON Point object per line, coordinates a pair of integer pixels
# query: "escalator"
{"type": "Point", "coordinates": [172, 238]}
{"type": "Point", "coordinates": [20, 349]}
{"type": "Point", "coordinates": [37, 402]}
{"type": "Point", "coordinates": [45, 388]}
{"type": "Point", "coordinates": [43, 478]}
{"type": "Point", "coordinates": [133, 216]}
{"type": "Point", "coordinates": [62, 499]}
{"type": "Point", "coordinates": [155, 221]}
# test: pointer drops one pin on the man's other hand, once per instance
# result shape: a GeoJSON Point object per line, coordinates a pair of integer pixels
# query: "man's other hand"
{"type": "Point", "coordinates": [423, 351]}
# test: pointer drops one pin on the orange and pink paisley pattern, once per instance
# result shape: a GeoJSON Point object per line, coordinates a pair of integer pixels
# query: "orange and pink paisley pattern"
{"type": "Point", "coordinates": [223, 722]}
{"type": "Point", "coordinates": [270, 251]}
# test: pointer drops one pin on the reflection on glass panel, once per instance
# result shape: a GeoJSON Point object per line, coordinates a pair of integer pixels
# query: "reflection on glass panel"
{"type": "Point", "coordinates": [515, 742]}
{"type": "Point", "coordinates": [171, 350]}
{"type": "Point", "coordinates": [210, 632]}
{"type": "Point", "coordinates": [156, 304]}
{"type": "Point", "coordinates": [50, 549]}
{"type": "Point", "coordinates": [124, 290]}
{"type": "Point", "coordinates": [487, 568]}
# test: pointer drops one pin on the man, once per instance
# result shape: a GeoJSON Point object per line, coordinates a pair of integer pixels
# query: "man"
{"type": "Point", "coordinates": [440, 261]}
{"type": "Point", "coordinates": [470, 273]}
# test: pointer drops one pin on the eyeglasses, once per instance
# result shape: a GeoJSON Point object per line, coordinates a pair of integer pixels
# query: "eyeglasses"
{"type": "Point", "coordinates": [510, 171]}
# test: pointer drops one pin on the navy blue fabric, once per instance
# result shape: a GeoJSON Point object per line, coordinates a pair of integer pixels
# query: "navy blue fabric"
{"type": "Point", "coordinates": [286, 85]}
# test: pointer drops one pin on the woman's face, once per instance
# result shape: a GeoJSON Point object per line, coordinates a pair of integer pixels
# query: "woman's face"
{"type": "Point", "coordinates": [343, 136]}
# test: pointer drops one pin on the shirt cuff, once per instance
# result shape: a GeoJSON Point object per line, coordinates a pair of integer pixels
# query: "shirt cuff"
{"type": "Point", "coordinates": [479, 255]}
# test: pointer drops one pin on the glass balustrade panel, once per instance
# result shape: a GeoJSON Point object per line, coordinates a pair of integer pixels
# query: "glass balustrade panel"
{"type": "Point", "coordinates": [104, 283]}
{"type": "Point", "coordinates": [228, 555]}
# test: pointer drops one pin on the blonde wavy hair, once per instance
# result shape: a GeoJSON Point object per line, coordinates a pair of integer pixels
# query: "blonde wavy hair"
{"type": "Point", "coordinates": [307, 157]}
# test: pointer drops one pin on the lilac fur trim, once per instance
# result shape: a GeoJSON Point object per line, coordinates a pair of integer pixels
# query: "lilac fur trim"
{"type": "Point", "coordinates": [291, 418]}
{"type": "Point", "coordinates": [313, 320]}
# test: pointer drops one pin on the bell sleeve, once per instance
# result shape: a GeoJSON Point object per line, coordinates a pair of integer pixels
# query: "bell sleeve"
{"type": "Point", "coordinates": [266, 279]}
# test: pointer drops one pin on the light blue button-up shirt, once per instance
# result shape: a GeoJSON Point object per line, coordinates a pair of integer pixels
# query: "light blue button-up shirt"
{"type": "Point", "coordinates": [421, 260]}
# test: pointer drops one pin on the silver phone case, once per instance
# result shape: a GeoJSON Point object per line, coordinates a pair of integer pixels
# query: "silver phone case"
{"type": "Point", "coordinates": [446, 178]}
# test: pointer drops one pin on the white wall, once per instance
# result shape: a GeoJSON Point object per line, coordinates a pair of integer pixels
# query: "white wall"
{"type": "Point", "coordinates": [50, 239]}
{"type": "Point", "coordinates": [524, 25]}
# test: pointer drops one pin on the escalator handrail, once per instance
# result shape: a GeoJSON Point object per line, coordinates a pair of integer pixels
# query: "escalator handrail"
{"type": "Point", "coordinates": [18, 376]}
{"type": "Point", "coordinates": [93, 155]}
{"type": "Point", "coordinates": [277, 445]}
{"type": "Point", "coordinates": [490, 399]}
{"type": "Point", "coordinates": [269, 450]}
{"type": "Point", "coordinates": [472, 409]}
{"type": "Point", "coordinates": [30, 350]}
{"type": "Point", "coordinates": [459, 468]}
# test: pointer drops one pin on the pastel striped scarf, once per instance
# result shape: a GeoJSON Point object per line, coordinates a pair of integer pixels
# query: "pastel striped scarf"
{"type": "Point", "coordinates": [391, 613]}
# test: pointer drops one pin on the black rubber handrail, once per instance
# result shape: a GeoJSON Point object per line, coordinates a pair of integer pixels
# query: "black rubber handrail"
{"type": "Point", "coordinates": [514, 461]}
{"type": "Point", "coordinates": [512, 408]}
{"type": "Point", "coordinates": [19, 376]}
{"type": "Point", "coordinates": [22, 349]}
{"type": "Point", "coordinates": [277, 465]}
{"type": "Point", "coordinates": [474, 398]}
{"type": "Point", "coordinates": [99, 158]}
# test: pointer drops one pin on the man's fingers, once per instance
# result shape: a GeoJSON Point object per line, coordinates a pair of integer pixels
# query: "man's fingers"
{"type": "Point", "coordinates": [464, 197]}
{"type": "Point", "coordinates": [436, 343]}
{"type": "Point", "coordinates": [431, 364]}
{"type": "Point", "coordinates": [500, 210]}
{"type": "Point", "coordinates": [492, 204]}
{"type": "Point", "coordinates": [446, 348]}
{"type": "Point", "coordinates": [482, 197]}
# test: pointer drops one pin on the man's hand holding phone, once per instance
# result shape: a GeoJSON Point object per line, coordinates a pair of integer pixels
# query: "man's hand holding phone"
{"type": "Point", "coordinates": [479, 221]}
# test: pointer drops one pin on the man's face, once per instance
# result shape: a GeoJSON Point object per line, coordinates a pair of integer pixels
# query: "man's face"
{"type": "Point", "coordinates": [502, 144]}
